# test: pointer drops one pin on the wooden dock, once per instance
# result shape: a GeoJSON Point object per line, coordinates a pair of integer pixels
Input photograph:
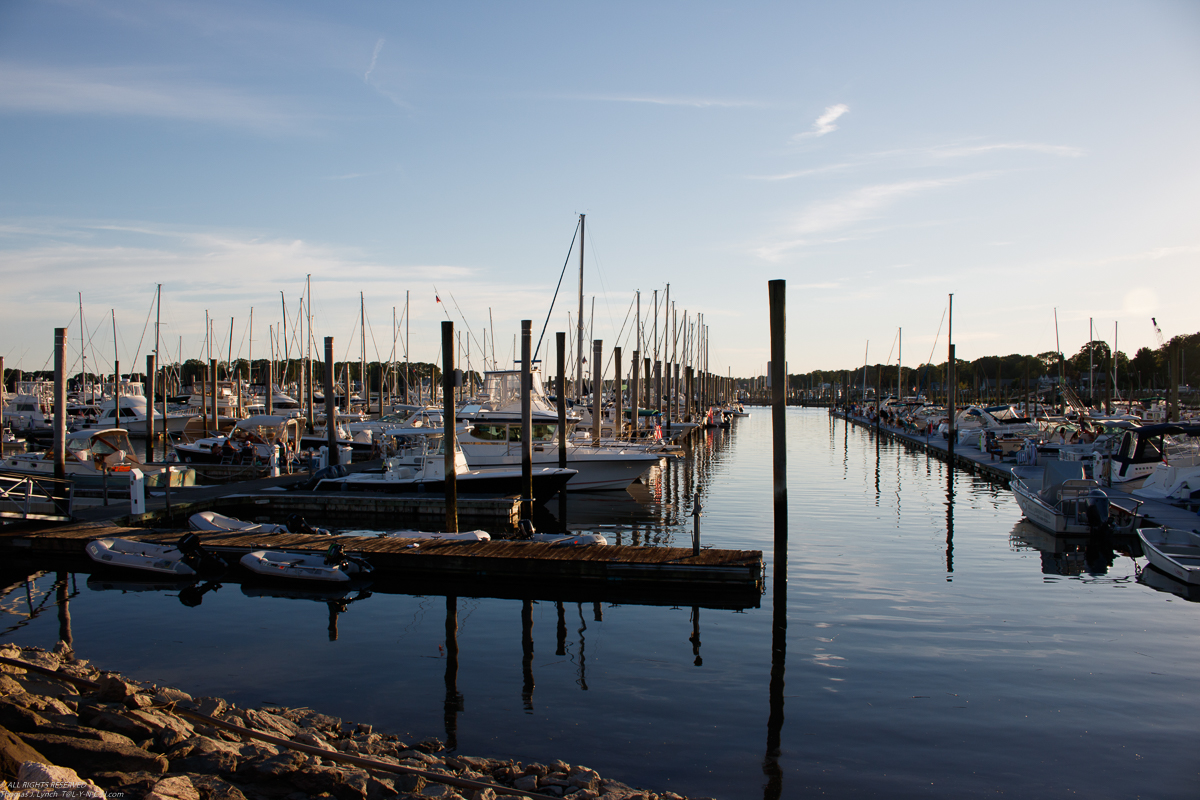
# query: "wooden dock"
{"type": "Point", "coordinates": [516, 563]}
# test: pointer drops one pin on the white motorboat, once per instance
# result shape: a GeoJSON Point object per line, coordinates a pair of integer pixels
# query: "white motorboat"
{"type": "Point", "coordinates": [1172, 482]}
{"type": "Point", "coordinates": [1059, 499]}
{"type": "Point", "coordinates": [408, 473]}
{"type": "Point", "coordinates": [1142, 449]}
{"type": "Point", "coordinates": [130, 410]}
{"type": "Point", "coordinates": [1174, 551]}
{"type": "Point", "coordinates": [333, 566]}
{"type": "Point", "coordinates": [1004, 421]}
{"type": "Point", "coordinates": [251, 441]}
{"type": "Point", "coordinates": [143, 556]}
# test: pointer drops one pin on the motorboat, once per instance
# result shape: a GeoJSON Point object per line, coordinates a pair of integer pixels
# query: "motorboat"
{"type": "Point", "coordinates": [252, 441]}
{"type": "Point", "coordinates": [1004, 421]}
{"type": "Point", "coordinates": [460, 536]}
{"type": "Point", "coordinates": [1174, 551]}
{"type": "Point", "coordinates": [1142, 449]}
{"type": "Point", "coordinates": [184, 559]}
{"type": "Point", "coordinates": [103, 454]}
{"type": "Point", "coordinates": [402, 474]}
{"type": "Point", "coordinates": [129, 409]}
{"type": "Point", "coordinates": [1175, 481]}
{"type": "Point", "coordinates": [1058, 498]}
{"type": "Point", "coordinates": [333, 566]}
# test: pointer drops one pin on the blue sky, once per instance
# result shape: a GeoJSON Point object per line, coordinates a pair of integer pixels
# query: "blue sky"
{"type": "Point", "coordinates": [878, 156]}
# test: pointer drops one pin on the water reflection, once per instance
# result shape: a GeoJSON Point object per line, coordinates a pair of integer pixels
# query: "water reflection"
{"type": "Point", "coordinates": [949, 523]}
{"type": "Point", "coordinates": [1158, 580]}
{"type": "Point", "coordinates": [453, 703]}
{"type": "Point", "coordinates": [527, 655]}
{"type": "Point", "coordinates": [1068, 556]}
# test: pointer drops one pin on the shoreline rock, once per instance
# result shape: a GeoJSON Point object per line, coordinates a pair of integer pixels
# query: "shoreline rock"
{"type": "Point", "coordinates": [126, 739]}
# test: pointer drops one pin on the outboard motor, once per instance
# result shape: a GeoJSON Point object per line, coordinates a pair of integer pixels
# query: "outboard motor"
{"type": "Point", "coordinates": [298, 524]}
{"type": "Point", "coordinates": [525, 529]}
{"type": "Point", "coordinates": [196, 557]}
{"type": "Point", "coordinates": [332, 471]}
{"type": "Point", "coordinates": [1097, 512]}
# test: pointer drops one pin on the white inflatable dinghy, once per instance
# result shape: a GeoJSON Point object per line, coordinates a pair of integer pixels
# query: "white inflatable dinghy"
{"type": "Point", "coordinates": [143, 556]}
{"type": "Point", "coordinates": [211, 521]}
{"type": "Point", "coordinates": [332, 566]}
{"type": "Point", "coordinates": [464, 536]}
{"type": "Point", "coordinates": [569, 539]}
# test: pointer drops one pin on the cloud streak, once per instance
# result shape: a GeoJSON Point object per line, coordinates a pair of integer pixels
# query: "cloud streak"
{"type": "Point", "coordinates": [824, 124]}
{"type": "Point", "coordinates": [374, 60]}
{"type": "Point", "coordinates": [124, 92]}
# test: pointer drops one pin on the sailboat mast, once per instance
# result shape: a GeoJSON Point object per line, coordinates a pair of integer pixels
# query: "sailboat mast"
{"type": "Point", "coordinates": [407, 357]}
{"type": "Point", "coordinates": [308, 375]}
{"type": "Point", "coordinates": [362, 357]}
{"type": "Point", "coordinates": [82, 351]}
{"type": "Point", "coordinates": [116, 364]}
{"type": "Point", "coordinates": [579, 342]}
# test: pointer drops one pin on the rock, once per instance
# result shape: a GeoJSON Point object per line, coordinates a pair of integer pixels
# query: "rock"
{"type": "Point", "coordinates": [90, 755]}
{"type": "Point", "coordinates": [430, 745]}
{"type": "Point", "coordinates": [114, 688]}
{"type": "Point", "coordinates": [213, 788]}
{"type": "Point", "coordinates": [204, 755]}
{"type": "Point", "coordinates": [484, 794]}
{"type": "Point", "coordinates": [211, 706]}
{"type": "Point", "coordinates": [177, 787]}
{"type": "Point", "coordinates": [14, 751]}
{"type": "Point", "coordinates": [417, 755]}
{"type": "Point", "coordinates": [439, 790]}
{"type": "Point", "coordinates": [319, 780]}
{"type": "Point", "coordinates": [313, 740]}
{"type": "Point", "coordinates": [584, 778]}
{"type": "Point", "coordinates": [554, 791]}
{"type": "Point", "coordinates": [63, 651]}
{"type": "Point", "coordinates": [40, 658]}
{"type": "Point", "coordinates": [537, 769]}
{"type": "Point", "coordinates": [409, 784]}
{"type": "Point", "coordinates": [307, 718]}
{"type": "Point", "coordinates": [9, 686]}
{"type": "Point", "coordinates": [119, 723]}
{"type": "Point", "coordinates": [20, 719]}
{"type": "Point", "coordinates": [134, 785]}
{"type": "Point", "coordinates": [526, 783]}
{"type": "Point", "coordinates": [139, 701]}
{"type": "Point", "coordinates": [271, 723]}
{"type": "Point", "coordinates": [168, 695]}
{"type": "Point", "coordinates": [46, 780]}
{"type": "Point", "coordinates": [276, 766]}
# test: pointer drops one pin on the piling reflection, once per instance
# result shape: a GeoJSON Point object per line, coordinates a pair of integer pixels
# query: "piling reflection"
{"type": "Point", "coordinates": [64, 610]}
{"type": "Point", "coordinates": [695, 637]}
{"type": "Point", "coordinates": [527, 655]}
{"type": "Point", "coordinates": [949, 523]}
{"type": "Point", "coordinates": [453, 703]}
{"type": "Point", "coordinates": [581, 679]}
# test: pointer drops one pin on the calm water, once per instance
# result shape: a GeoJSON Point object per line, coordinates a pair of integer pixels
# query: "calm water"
{"type": "Point", "coordinates": [930, 649]}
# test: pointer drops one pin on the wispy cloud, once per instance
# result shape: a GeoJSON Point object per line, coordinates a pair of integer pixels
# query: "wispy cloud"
{"type": "Point", "coordinates": [824, 124]}
{"type": "Point", "coordinates": [841, 212]}
{"type": "Point", "coordinates": [126, 91]}
{"type": "Point", "coordinates": [374, 60]}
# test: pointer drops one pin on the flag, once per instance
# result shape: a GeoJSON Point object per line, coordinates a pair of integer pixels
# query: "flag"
{"type": "Point", "coordinates": [658, 431]}
{"type": "Point", "coordinates": [435, 297]}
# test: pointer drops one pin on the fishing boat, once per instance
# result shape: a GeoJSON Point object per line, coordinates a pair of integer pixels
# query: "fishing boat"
{"type": "Point", "coordinates": [333, 566]}
{"type": "Point", "coordinates": [1059, 499]}
{"type": "Point", "coordinates": [1174, 551]}
{"type": "Point", "coordinates": [183, 559]}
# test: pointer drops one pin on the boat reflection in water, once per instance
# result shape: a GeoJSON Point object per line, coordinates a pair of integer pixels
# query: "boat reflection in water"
{"type": "Point", "coordinates": [1155, 578]}
{"type": "Point", "coordinates": [1070, 556]}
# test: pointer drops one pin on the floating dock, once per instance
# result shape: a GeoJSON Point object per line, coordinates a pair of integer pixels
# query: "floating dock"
{"type": "Point", "coordinates": [691, 579]}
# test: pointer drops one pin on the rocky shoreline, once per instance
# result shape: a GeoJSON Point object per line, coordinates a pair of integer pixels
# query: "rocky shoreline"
{"type": "Point", "coordinates": [70, 730]}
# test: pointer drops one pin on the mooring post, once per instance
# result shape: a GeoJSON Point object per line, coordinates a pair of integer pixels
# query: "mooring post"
{"type": "Point", "coordinates": [597, 390]}
{"type": "Point", "coordinates": [619, 420]}
{"type": "Point", "coordinates": [526, 419]}
{"type": "Point", "coordinates": [777, 291]}
{"type": "Point", "coordinates": [151, 373]}
{"type": "Point", "coordinates": [951, 392]}
{"type": "Point", "coordinates": [3, 389]}
{"type": "Point", "coordinates": [646, 364]}
{"type": "Point", "coordinates": [60, 403]}
{"type": "Point", "coordinates": [560, 389]}
{"type": "Point", "coordinates": [696, 511]}
{"type": "Point", "coordinates": [330, 408]}
{"type": "Point", "coordinates": [216, 425]}
{"type": "Point", "coordinates": [658, 392]}
{"type": "Point", "coordinates": [635, 401]}
{"type": "Point", "coordinates": [270, 387]}
{"type": "Point", "coordinates": [448, 438]}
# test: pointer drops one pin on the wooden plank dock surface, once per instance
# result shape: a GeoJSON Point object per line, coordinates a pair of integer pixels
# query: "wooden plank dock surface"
{"type": "Point", "coordinates": [497, 560]}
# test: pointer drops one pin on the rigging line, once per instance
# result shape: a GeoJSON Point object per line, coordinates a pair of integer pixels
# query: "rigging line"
{"type": "Point", "coordinates": [612, 353]}
{"type": "Point", "coordinates": [378, 358]}
{"type": "Point", "coordinates": [438, 297]}
{"type": "Point", "coordinates": [245, 328]}
{"type": "Point", "coordinates": [463, 317]}
{"type": "Point", "coordinates": [566, 261]}
{"type": "Point", "coordinates": [600, 276]}
{"type": "Point", "coordinates": [889, 358]}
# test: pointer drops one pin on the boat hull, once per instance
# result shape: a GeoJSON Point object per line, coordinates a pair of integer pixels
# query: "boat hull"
{"type": "Point", "coordinates": [1175, 552]}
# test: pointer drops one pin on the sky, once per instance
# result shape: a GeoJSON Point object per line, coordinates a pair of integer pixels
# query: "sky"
{"type": "Point", "coordinates": [1031, 158]}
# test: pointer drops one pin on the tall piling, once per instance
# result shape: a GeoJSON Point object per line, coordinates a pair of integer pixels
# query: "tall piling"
{"type": "Point", "coordinates": [150, 426]}
{"type": "Point", "coordinates": [634, 398]}
{"type": "Point", "coordinates": [777, 294]}
{"type": "Point", "coordinates": [212, 396]}
{"type": "Point", "coordinates": [526, 419]}
{"type": "Point", "coordinates": [3, 389]}
{"type": "Point", "coordinates": [448, 431]}
{"type": "Point", "coordinates": [619, 417]}
{"type": "Point", "coordinates": [646, 374]}
{"type": "Point", "coordinates": [60, 403]}
{"type": "Point", "coordinates": [560, 389]}
{"type": "Point", "coordinates": [658, 391]}
{"type": "Point", "coordinates": [330, 408]}
{"type": "Point", "coordinates": [597, 390]}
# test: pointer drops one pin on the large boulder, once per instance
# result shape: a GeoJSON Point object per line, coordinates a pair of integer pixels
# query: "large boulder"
{"type": "Point", "coordinates": [92, 755]}
{"type": "Point", "coordinates": [15, 751]}
{"type": "Point", "coordinates": [39, 780]}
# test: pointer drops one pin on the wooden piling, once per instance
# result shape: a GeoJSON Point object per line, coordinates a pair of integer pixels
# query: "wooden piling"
{"type": "Point", "coordinates": [635, 401]}
{"type": "Point", "coordinates": [3, 389]}
{"type": "Point", "coordinates": [561, 391]}
{"type": "Point", "coordinates": [646, 365]}
{"type": "Point", "coordinates": [212, 396]}
{"type": "Point", "coordinates": [619, 423]}
{"type": "Point", "coordinates": [597, 389]}
{"type": "Point", "coordinates": [150, 437]}
{"type": "Point", "coordinates": [60, 403]}
{"type": "Point", "coordinates": [330, 407]}
{"type": "Point", "coordinates": [526, 419]}
{"type": "Point", "coordinates": [777, 293]}
{"type": "Point", "coordinates": [448, 437]}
